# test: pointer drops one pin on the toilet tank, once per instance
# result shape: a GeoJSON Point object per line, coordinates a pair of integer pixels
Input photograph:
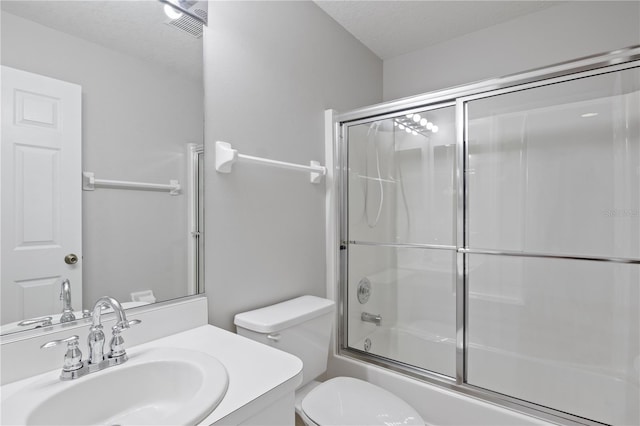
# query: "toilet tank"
{"type": "Point", "coordinates": [300, 326]}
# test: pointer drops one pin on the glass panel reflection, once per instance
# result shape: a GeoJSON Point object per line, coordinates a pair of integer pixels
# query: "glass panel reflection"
{"type": "Point", "coordinates": [411, 291]}
{"type": "Point", "coordinates": [556, 169]}
{"type": "Point", "coordinates": [561, 333]}
{"type": "Point", "coordinates": [401, 179]}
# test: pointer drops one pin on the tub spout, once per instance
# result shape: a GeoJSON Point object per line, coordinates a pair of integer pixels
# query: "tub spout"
{"type": "Point", "coordinates": [374, 318]}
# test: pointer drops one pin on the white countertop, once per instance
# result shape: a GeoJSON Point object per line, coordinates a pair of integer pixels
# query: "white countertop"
{"type": "Point", "coordinates": [258, 374]}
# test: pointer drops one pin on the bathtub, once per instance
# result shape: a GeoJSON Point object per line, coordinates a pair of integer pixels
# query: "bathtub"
{"type": "Point", "coordinates": [410, 346]}
{"type": "Point", "coordinates": [582, 390]}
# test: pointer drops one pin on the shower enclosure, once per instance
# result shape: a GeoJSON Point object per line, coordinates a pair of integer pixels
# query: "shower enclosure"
{"type": "Point", "coordinates": [490, 239]}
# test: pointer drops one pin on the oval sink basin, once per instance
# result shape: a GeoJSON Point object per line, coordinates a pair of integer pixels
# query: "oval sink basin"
{"type": "Point", "coordinates": [163, 386]}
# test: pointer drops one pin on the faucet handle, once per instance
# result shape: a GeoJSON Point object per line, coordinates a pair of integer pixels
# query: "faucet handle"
{"type": "Point", "coordinates": [117, 342]}
{"type": "Point", "coordinates": [124, 324]}
{"type": "Point", "coordinates": [43, 321]}
{"type": "Point", "coordinates": [69, 340]}
{"type": "Point", "coordinates": [73, 356]}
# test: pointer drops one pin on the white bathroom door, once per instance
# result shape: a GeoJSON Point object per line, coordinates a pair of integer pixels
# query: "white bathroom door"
{"type": "Point", "coordinates": [41, 194]}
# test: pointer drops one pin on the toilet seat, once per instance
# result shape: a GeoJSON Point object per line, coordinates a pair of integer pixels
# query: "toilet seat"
{"type": "Point", "coordinates": [347, 401]}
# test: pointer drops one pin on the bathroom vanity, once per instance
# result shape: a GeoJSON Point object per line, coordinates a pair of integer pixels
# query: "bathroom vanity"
{"type": "Point", "coordinates": [259, 388]}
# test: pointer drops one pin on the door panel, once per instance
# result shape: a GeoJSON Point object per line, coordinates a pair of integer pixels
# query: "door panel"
{"type": "Point", "coordinates": [400, 278]}
{"type": "Point", "coordinates": [41, 193]}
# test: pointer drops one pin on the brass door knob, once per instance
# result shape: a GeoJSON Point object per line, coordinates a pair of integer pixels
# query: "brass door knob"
{"type": "Point", "coordinates": [71, 259]}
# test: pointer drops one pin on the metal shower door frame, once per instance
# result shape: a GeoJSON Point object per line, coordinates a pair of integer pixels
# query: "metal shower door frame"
{"type": "Point", "coordinates": [460, 97]}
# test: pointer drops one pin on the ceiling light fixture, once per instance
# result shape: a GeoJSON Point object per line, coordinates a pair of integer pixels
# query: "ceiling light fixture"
{"type": "Point", "coordinates": [171, 12]}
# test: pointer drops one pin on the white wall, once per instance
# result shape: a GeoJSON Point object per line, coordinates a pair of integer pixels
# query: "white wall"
{"type": "Point", "coordinates": [271, 69]}
{"type": "Point", "coordinates": [560, 33]}
{"type": "Point", "coordinates": [132, 240]}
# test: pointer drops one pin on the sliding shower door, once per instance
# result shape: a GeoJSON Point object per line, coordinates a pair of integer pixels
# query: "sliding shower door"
{"type": "Point", "coordinates": [491, 243]}
{"type": "Point", "coordinates": [553, 209]}
{"type": "Point", "coordinates": [401, 239]}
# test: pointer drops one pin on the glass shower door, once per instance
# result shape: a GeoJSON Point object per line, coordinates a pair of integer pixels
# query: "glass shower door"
{"type": "Point", "coordinates": [400, 272]}
{"type": "Point", "coordinates": [498, 254]}
{"type": "Point", "coordinates": [553, 211]}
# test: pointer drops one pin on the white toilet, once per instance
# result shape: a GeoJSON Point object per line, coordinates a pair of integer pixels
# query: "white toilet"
{"type": "Point", "coordinates": [302, 327]}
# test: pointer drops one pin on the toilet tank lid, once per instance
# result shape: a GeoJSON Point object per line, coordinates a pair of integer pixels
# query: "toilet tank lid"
{"type": "Point", "coordinates": [284, 315]}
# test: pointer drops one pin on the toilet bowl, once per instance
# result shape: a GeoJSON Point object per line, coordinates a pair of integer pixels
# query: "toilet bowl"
{"type": "Point", "coordinates": [302, 327]}
{"type": "Point", "coordinates": [348, 401]}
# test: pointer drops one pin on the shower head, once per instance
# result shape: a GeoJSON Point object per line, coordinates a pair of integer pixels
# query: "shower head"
{"type": "Point", "coordinates": [381, 126]}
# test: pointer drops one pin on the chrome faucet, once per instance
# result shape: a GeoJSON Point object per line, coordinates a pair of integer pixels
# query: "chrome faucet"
{"type": "Point", "coordinates": [96, 335]}
{"type": "Point", "coordinates": [74, 367]}
{"type": "Point", "coordinates": [374, 318]}
{"type": "Point", "coordinates": [65, 296]}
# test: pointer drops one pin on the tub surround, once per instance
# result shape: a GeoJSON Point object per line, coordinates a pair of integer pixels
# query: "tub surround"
{"type": "Point", "coordinates": [436, 405]}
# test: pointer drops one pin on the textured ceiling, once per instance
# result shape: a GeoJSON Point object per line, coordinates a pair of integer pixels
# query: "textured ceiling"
{"type": "Point", "coordinates": [388, 28]}
{"type": "Point", "coordinates": [135, 28]}
{"type": "Point", "coordinates": [392, 28]}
